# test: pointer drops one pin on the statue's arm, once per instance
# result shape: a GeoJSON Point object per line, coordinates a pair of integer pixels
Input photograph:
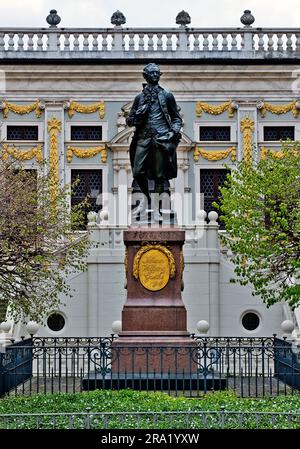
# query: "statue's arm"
{"type": "Point", "coordinates": [137, 112]}
{"type": "Point", "coordinates": [130, 120]}
{"type": "Point", "coordinates": [176, 121]}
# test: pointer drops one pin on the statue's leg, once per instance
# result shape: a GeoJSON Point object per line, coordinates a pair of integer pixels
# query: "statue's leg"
{"type": "Point", "coordinates": [159, 189]}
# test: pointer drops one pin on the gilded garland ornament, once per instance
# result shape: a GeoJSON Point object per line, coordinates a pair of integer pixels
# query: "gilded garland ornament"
{"type": "Point", "coordinates": [22, 154]}
{"type": "Point", "coordinates": [264, 152]}
{"type": "Point", "coordinates": [215, 109]}
{"type": "Point", "coordinates": [278, 109]}
{"type": "Point", "coordinates": [86, 108]}
{"type": "Point", "coordinates": [22, 109]}
{"type": "Point", "coordinates": [215, 155]}
{"type": "Point", "coordinates": [54, 127]}
{"type": "Point", "coordinates": [85, 153]}
{"type": "Point", "coordinates": [154, 265]}
{"type": "Point", "coordinates": [247, 129]}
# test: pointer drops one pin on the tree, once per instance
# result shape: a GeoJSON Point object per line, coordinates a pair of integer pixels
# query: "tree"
{"type": "Point", "coordinates": [39, 247]}
{"type": "Point", "coordinates": [260, 205]}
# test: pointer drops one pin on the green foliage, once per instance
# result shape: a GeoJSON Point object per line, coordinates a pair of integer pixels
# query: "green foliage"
{"type": "Point", "coordinates": [135, 401]}
{"type": "Point", "coordinates": [39, 245]}
{"type": "Point", "coordinates": [260, 206]}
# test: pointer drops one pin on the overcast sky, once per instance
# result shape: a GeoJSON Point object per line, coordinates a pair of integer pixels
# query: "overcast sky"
{"type": "Point", "coordinates": [149, 13]}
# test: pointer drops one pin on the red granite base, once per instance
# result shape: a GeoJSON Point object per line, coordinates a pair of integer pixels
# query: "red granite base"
{"type": "Point", "coordinates": [154, 337]}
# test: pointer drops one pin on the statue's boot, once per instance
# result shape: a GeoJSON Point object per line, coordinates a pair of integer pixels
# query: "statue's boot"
{"type": "Point", "coordinates": [140, 209]}
{"type": "Point", "coordinates": [157, 217]}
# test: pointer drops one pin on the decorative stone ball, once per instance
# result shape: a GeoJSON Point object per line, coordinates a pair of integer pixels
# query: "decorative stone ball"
{"type": "Point", "coordinates": [116, 327]}
{"type": "Point", "coordinates": [213, 216]}
{"type": "Point", "coordinates": [32, 327]}
{"type": "Point", "coordinates": [201, 215]}
{"type": "Point", "coordinates": [118, 18]}
{"type": "Point", "coordinates": [247, 18]}
{"type": "Point", "coordinates": [104, 215]}
{"type": "Point", "coordinates": [202, 326]}
{"type": "Point", "coordinates": [53, 19]}
{"type": "Point", "coordinates": [183, 18]}
{"type": "Point", "coordinates": [5, 326]}
{"type": "Point", "coordinates": [287, 326]}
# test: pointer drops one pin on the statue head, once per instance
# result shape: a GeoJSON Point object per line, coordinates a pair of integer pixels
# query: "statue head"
{"type": "Point", "coordinates": [151, 73]}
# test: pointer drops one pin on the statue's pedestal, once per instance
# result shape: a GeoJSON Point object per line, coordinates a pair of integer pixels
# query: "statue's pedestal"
{"type": "Point", "coordinates": [154, 337]}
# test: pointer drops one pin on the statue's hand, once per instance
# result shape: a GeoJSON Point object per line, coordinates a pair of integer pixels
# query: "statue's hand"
{"type": "Point", "coordinates": [141, 111]}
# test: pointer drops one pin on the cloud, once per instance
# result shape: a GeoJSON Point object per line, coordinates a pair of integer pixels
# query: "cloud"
{"type": "Point", "coordinates": [145, 13]}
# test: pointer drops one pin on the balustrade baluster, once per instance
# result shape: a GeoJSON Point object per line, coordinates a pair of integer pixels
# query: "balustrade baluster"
{"type": "Point", "coordinates": [289, 42]}
{"type": "Point", "coordinates": [205, 42]}
{"type": "Point", "coordinates": [270, 42]}
{"type": "Point", "coordinates": [20, 42]}
{"type": "Point", "coordinates": [169, 41]}
{"type": "Point", "coordinates": [86, 42]}
{"type": "Point", "coordinates": [30, 42]}
{"type": "Point", "coordinates": [104, 42]}
{"type": "Point", "coordinates": [11, 44]}
{"type": "Point", "coordinates": [2, 42]}
{"type": "Point", "coordinates": [95, 41]}
{"type": "Point", "coordinates": [297, 43]}
{"type": "Point", "coordinates": [141, 42]}
{"type": "Point", "coordinates": [40, 41]}
{"type": "Point", "coordinates": [150, 42]}
{"type": "Point", "coordinates": [215, 42]}
{"type": "Point", "coordinates": [76, 42]}
{"type": "Point", "coordinates": [280, 42]}
{"type": "Point", "coordinates": [131, 42]}
{"type": "Point", "coordinates": [225, 45]}
{"type": "Point", "coordinates": [67, 42]}
{"type": "Point", "coordinates": [234, 42]}
{"type": "Point", "coordinates": [196, 42]}
{"type": "Point", "coordinates": [159, 42]}
{"type": "Point", "coordinates": [261, 42]}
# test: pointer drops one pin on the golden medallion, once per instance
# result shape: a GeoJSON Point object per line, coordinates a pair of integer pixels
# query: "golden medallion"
{"type": "Point", "coordinates": [154, 270]}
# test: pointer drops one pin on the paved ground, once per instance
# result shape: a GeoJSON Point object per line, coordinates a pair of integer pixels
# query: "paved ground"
{"type": "Point", "coordinates": [253, 387]}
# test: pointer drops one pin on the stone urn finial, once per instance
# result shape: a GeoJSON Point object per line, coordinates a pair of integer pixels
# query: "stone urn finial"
{"type": "Point", "coordinates": [183, 18]}
{"type": "Point", "coordinates": [118, 18]}
{"type": "Point", "coordinates": [247, 18]}
{"type": "Point", "coordinates": [53, 19]}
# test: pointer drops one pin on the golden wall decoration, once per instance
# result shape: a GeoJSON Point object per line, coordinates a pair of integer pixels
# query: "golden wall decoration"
{"type": "Point", "coordinates": [86, 108]}
{"type": "Point", "coordinates": [22, 154]}
{"type": "Point", "coordinates": [126, 259]}
{"type": "Point", "coordinates": [22, 109]}
{"type": "Point", "coordinates": [280, 108]}
{"type": "Point", "coordinates": [215, 155]}
{"type": "Point", "coordinates": [154, 265]}
{"type": "Point", "coordinates": [54, 127]}
{"type": "Point", "coordinates": [215, 109]}
{"type": "Point", "coordinates": [247, 129]}
{"type": "Point", "coordinates": [84, 153]}
{"type": "Point", "coordinates": [264, 152]}
{"type": "Point", "coordinates": [181, 263]}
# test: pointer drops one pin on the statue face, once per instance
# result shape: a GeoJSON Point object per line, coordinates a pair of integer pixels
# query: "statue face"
{"type": "Point", "coordinates": [152, 76]}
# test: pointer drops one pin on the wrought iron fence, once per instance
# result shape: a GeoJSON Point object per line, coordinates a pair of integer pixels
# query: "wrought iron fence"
{"type": "Point", "coordinates": [250, 366]}
{"type": "Point", "coordinates": [221, 419]}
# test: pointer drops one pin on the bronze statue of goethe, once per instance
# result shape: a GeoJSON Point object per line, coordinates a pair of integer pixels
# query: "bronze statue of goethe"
{"type": "Point", "coordinates": [155, 115]}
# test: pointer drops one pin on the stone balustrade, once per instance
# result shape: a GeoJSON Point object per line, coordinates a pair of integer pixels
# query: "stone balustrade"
{"type": "Point", "coordinates": [167, 43]}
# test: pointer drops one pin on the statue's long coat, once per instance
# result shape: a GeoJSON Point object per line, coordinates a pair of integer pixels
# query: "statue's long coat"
{"type": "Point", "coordinates": [170, 110]}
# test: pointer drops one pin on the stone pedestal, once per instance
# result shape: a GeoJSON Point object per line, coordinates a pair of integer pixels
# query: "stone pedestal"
{"type": "Point", "coordinates": [154, 337]}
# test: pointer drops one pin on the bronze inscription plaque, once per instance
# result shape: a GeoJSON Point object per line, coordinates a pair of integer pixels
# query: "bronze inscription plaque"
{"type": "Point", "coordinates": [154, 270]}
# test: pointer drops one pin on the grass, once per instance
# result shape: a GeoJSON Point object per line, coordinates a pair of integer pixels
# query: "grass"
{"type": "Point", "coordinates": [134, 401]}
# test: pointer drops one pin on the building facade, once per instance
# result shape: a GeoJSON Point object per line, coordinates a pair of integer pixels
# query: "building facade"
{"type": "Point", "coordinates": [65, 96]}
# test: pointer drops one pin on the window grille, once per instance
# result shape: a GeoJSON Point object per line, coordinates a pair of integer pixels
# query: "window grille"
{"type": "Point", "coordinates": [218, 133]}
{"type": "Point", "coordinates": [20, 132]}
{"type": "Point", "coordinates": [86, 132]}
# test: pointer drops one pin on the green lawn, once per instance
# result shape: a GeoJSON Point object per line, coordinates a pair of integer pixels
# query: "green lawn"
{"type": "Point", "coordinates": [133, 401]}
